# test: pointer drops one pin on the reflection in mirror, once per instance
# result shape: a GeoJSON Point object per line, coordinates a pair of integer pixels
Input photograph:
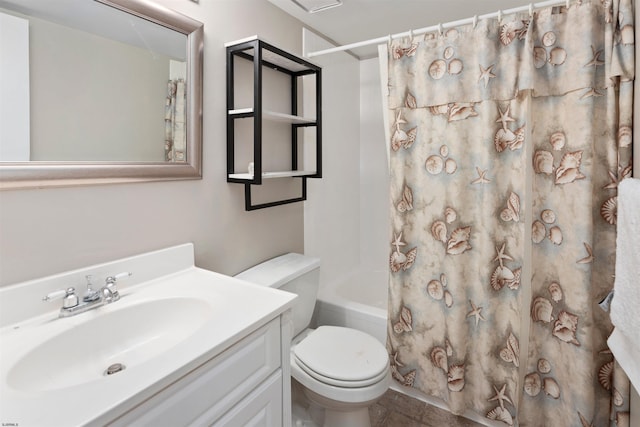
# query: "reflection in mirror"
{"type": "Point", "coordinates": [97, 92]}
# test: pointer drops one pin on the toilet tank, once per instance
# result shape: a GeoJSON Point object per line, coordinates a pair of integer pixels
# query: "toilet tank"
{"type": "Point", "coordinates": [294, 273]}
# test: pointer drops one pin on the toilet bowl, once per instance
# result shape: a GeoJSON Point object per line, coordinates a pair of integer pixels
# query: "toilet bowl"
{"type": "Point", "coordinates": [341, 370]}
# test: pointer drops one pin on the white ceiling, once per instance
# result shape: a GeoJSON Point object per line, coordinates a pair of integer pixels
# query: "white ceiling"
{"type": "Point", "coordinates": [105, 21]}
{"type": "Point", "coordinates": [358, 20]}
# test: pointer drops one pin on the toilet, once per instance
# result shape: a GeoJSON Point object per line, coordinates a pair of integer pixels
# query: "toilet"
{"type": "Point", "coordinates": [341, 370]}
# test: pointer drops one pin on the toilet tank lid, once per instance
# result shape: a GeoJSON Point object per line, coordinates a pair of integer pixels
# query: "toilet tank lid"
{"type": "Point", "coordinates": [279, 270]}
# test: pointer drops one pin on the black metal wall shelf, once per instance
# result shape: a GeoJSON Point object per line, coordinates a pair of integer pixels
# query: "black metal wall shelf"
{"type": "Point", "coordinates": [263, 54]}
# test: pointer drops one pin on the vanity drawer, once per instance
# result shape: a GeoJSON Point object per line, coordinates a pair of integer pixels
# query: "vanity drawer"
{"type": "Point", "coordinates": [263, 407]}
{"type": "Point", "coordinates": [210, 390]}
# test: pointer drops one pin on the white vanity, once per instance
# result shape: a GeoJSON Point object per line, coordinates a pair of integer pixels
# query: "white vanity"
{"type": "Point", "coordinates": [181, 346]}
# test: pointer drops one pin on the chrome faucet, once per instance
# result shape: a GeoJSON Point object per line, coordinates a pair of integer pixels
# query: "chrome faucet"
{"type": "Point", "coordinates": [72, 304]}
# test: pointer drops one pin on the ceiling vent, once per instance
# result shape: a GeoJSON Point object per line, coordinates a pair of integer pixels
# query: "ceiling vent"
{"type": "Point", "coordinates": [313, 6]}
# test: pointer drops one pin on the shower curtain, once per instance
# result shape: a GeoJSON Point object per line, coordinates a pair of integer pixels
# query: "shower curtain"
{"type": "Point", "coordinates": [175, 146]}
{"type": "Point", "coordinates": [508, 140]}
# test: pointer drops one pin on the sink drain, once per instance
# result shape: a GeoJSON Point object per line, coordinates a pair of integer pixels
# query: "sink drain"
{"type": "Point", "coordinates": [114, 369]}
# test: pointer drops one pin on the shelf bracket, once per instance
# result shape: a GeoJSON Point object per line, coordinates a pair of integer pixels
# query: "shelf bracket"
{"type": "Point", "coordinates": [249, 206]}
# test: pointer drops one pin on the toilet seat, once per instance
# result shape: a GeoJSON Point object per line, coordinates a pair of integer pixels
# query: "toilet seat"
{"type": "Point", "coordinates": [339, 383]}
{"type": "Point", "coordinates": [342, 357]}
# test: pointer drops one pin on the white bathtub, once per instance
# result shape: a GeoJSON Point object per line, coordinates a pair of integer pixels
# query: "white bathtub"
{"type": "Point", "coordinates": [358, 301]}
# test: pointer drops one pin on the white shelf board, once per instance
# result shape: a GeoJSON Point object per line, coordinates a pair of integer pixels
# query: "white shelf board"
{"type": "Point", "coordinates": [272, 57]}
{"type": "Point", "coordinates": [268, 175]}
{"type": "Point", "coordinates": [272, 115]}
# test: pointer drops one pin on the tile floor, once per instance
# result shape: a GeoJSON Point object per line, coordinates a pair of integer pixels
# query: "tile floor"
{"type": "Point", "coordinates": [399, 410]}
{"type": "Point", "coordinates": [394, 409]}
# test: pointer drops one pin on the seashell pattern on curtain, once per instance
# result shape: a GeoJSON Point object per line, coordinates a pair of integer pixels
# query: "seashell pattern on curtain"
{"type": "Point", "coordinates": [508, 140]}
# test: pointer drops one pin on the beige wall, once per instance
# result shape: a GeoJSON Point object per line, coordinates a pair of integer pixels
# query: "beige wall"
{"type": "Point", "coordinates": [44, 231]}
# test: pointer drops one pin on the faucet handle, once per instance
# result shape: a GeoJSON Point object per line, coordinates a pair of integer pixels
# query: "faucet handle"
{"type": "Point", "coordinates": [69, 297]}
{"type": "Point", "coordinates": [110, 280]}
{"type": "Point", "coordinates": [55, 294]}
{"type": "Point", "coordinates": [110, 286]}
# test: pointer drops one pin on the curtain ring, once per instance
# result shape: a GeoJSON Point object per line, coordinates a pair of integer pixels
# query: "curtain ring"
{"type": "Point", "coordinates": [531, 10]}
{"type": "Point", "coordinates": [390, 39]}
{"type": "Point", "coordinates": [440, 30]}
{"type": "Point", "coordinates": [411, 36]}
{"type": "Point", "coordinates": [568, 4]}
{"type": "Point", "coordinates": [475, 21]}
{"type": "Point", "coordinates": [499, 16]}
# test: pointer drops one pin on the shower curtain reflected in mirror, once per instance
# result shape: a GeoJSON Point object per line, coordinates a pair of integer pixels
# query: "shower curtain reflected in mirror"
{"type": "Point", "coordinates": [175, 141]}
{"type": "Point", "coordinates": [508, 140]}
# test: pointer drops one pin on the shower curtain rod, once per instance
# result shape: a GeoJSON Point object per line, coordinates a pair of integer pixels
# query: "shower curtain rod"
{"type": "Point", "coordinates": [440, 27]}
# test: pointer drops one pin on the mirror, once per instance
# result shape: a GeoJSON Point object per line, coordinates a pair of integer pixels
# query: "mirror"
{"type": "Point", "coordinates": [101, 91]}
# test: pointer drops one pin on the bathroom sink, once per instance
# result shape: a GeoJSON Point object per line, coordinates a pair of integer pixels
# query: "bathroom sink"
{"type": "Point", "coordinates": [171, 319]}
{"type": "Point", "coordinates": [108, 344]}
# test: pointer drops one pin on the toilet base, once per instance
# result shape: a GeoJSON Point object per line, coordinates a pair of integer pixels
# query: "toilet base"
{"type": "Point", "coordinates": [340, 414]}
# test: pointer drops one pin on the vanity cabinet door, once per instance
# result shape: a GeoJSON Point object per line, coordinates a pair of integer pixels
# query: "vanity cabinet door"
{"type": "Point", "coordinates": [209, 391]}
{"type": "Point", "coordinates": [262, 408]}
